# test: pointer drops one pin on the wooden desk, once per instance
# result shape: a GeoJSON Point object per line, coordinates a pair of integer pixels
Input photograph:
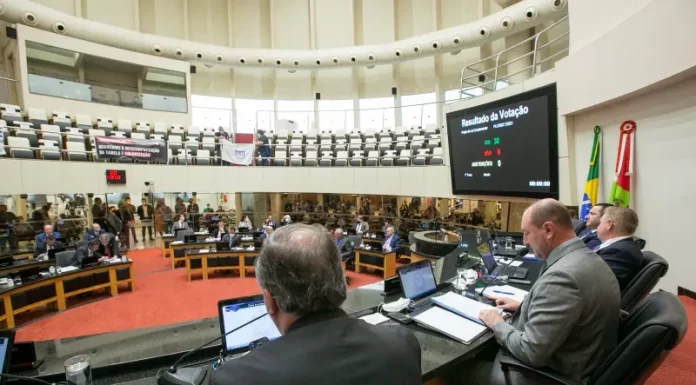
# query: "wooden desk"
{"type": "Point", "coordinates": [388, 267]}
{"type": "Point", "coordinates": [239, 260]}
{"type": "Point", "coordinates": [55, 290]}
{"type": "Point", "coordinates": [186, 246]}
{"type": "Point", "coordinates": [415, 257]}
{"type": "Point", "coordinates": [167, 239]}
{"type": "Point", "coordinates": [25, 266]}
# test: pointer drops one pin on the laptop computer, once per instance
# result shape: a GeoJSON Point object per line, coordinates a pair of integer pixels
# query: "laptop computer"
{"type": "Point", "coordinates": [418, 284]}
{"type": "Point", "coordinates": [496, 270]}
{"type": "Point", "coordinates": [222, 246]}
{"type": "Point", "coordinates": [6, 346]}
{"type": "Point", "coordinates": [191, 238]}
{"type": "Point", "coordinates": [238, 311]}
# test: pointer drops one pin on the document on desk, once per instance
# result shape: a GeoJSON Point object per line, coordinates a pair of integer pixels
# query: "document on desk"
{"type": "Point", "coordinates": [450, 324]}
{"type": "Point", "coordinates": [504, 291]}
{"type": "Point", "coordinates": [461, 305]}
{"type": "Point", "coordinates": [374, 319]}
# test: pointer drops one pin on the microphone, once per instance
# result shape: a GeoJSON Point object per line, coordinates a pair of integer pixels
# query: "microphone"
{"type": "Point", "coordinates": [193, 376]}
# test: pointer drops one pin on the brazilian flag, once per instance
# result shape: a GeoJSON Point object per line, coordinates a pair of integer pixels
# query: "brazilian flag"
{"type": "Point", "coordinates": [589, 197]}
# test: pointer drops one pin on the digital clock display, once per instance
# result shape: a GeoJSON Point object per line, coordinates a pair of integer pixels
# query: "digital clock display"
{"type": "Point", "coordinates": [116, 176]}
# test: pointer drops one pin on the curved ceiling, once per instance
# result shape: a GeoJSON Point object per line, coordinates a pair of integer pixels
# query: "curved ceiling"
{"type": "Point", "coordinates": [523, 15]}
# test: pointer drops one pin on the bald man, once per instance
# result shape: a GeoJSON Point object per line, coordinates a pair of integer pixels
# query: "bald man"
{"type": "Point", "coordinates": [618, 248]}
{"type": "Point", "coordinates": [568, 322]}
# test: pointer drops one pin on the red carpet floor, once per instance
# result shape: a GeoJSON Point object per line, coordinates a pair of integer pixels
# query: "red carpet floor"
{"type": "Point", "coordinates": [161, 293]}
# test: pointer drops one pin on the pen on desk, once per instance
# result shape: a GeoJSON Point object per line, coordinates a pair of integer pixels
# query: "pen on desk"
{"type": "Point", "coordinates": [503, 292]}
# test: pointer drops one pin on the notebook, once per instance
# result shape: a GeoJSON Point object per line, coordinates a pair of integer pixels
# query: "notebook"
{"type": "Point", "coordinates": [455, 316]}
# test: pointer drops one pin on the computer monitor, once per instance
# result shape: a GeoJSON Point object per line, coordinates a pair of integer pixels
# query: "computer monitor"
{"type": "Point", "coordinates": [190, 238]}
{"type": "Point", "coordinates": [417, 279]}
{"type": "Point", "coordinates": [6, 344]}
{"type": "Point", "coordinates": [487, 257]}
{"type": "Point", "coordinates": [238, 311]}
{"type": "Point", "coordinates": [222, 246]}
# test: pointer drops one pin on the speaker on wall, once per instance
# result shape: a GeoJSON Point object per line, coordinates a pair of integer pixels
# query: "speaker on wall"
{"type": "Point", "coordinates": [318, 96]}
{"type": "Point", "coordinates": [11, 32]}
{"type": "Point", "coordinates": [394, 91]}
{"type": "Point", "coordinates": [193, 69]}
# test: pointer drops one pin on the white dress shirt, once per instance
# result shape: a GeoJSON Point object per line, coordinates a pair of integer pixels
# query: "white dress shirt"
{"type": "Point", "coordinates": [611, 241]}
{"type": "Point", "coordinates": [387, 245]}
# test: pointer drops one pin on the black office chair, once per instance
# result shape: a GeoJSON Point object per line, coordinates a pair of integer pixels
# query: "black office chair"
{"type": "Point", "coordinates": [579, 225]}
{"type": "Point", "coordinates": [654, 267]}
{"type": "Point", "coordinates": [646, 338]}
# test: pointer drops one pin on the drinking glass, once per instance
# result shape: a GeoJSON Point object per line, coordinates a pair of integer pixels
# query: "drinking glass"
{"type": "Point", "coordinates": [78, 370]}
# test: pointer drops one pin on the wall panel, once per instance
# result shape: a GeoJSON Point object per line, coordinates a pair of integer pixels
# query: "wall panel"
{"type": "Point", "coordinates": [119, 13]}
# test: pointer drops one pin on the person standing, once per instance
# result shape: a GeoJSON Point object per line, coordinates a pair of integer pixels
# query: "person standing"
{"type": "Point", "coordinates": [98, 214]}
{"type": "Point", "coordinates": [146, 215]}
{"type": "Point", "coordinates": [263, 147]}
{"type": "Point", "coordinates": [194, 214]}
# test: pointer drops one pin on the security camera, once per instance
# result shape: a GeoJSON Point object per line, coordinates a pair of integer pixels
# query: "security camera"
{"type": "Point", "coordinates": [149, 183]}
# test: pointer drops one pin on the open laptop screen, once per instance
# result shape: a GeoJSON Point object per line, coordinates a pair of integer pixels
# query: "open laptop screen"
{"type": "Point", "coordinates": [417, 279]}
{"type": "Point", "coordinates": [234, 313]}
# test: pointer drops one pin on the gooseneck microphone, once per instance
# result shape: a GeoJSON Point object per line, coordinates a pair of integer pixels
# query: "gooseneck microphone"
{"type": "Point", "coordinates": [29, 379]}
{"type": "Point", "coordinates": [193, 376]}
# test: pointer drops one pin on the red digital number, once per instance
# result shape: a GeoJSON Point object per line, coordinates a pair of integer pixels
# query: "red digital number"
{"type": "Point", "coordinates": [497, 151]}
{"type": "Point", "coordinates": [113, 175]}
{"type": "Point", "coordinates": [487, 152]}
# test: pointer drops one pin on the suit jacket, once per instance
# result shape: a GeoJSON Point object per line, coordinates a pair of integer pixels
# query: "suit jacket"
{"type": "Point", "coordinates": [40, 243]}
{"type": "Point", "coordinates": [364, 228]}
{"type": "Point", "coordinates": [92, 235]}
{"type": "Point", "coordinates": [328, 347]}
{"type": "Point", "coordinates": [591, 240]}
{"type": "Point", "coordinates": [112, 247]}
{"type": "Point", "coordinates": [215, 232]}
{"type": "Point", "coordinates": [345, 246]}
{"type": "Point", "coordinates": [624, 258]}
{"type": "Point", "coordinates": [176, 226]}
{"type": "Point", "coordinates": [80, 254]}
{"type": "Point", "coordinates": [234, 240]}
{"type": "Point", "coordinates": [394, 244]}
{"type": "Point", "coordinates": [570, 318]}
{"type": "Point", "coordinates": [150, 212]}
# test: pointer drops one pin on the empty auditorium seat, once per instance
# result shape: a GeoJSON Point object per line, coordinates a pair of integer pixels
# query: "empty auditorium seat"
{"type": "Point", "coordinates": [138, 135]}
{"type": "Point", "coordinates": [143, 128]}
{"type": "Point", "coordinates": [76, 151]}
{"type": "Point", "coordinates": [192, 145]}
{"type": "Point", "coordinates": [157, 137]}
{"type": "Point", "coordinates": [388, 158]}
{"type": "Point", "coordinates": [209, 132]}
{"type": "Point", "coordinates": [413, 131]}
{"type": "Point", "coordinates": [118, 134]}
{"type": "Point", "coordinates": [75, 135]}
{"type": "Point", "coordinates": [401, 143]}
{"type": "Point", "coordinates": [51, 132]}
{"type": "Point", "coordinates": [325, 146]}
{"type": "Point", "coordinates": [37, 116]}
{"type": "Point", "coordinates": [437, 157]}
{"type": "Point", "coordinates": [421, 158]}
{"type": "Point", "coordinates": [434, 141]}
{"type": "Point", "coordinates": [385, 143]}
{"type": "Point", "coordinates": [83, 123]}
{"type": "Point", "coordinates": [430, 130]}
{"type": "Point", "coordinates": [326, 135]}
{"type": "Point", "coordinates": [106, 125]}
{"type": "Point", "coordinates": [20, 147]}
{"type": "Point", "coordinates": [62, 120]}
{"type": "Point", "coordinates": [161, 129]}
{"type": "Point", "coordinates": [355, 144]}
{"type": "Point", "coordinates": [372, 159]}
{"type": "Point", "coordinates": [203, 158]}
{"type": "Point", "coordinates": [49, 150]}
{"type": "Point", "coordinates": [355, 134]}
{"type": "Point", "coordinates": [417, 142]}
{"type": "Point", "coordinates": [326, 159]}
{"type": "Point", "coordinates": [10, 113]}
{"type": "Point", "coordinates": [280, 158]}
{"type": "Point", "coordinates": [400, 131]}
{"type": "Point", "coordinates": [125, 125]}
{"type": "Point", "coordinates": [184, 156]}
{"type": "Point", "coordinates": [175, 143]}
{"type": "Point", "coordinates": [370, 143]}
{"type": "Point", "coordinates": [193, 132]}
{"type": "Point", "coordinates": [176, 130]}
{"type": "Point", "coordinates": [312, 136]}
{"type": "Point", "coordinates": [404, 158]}
{"type": "Point", "coordinates": [5, 131]}
{"type": "Point", "coordinates": [311, 159]}
{"type": "Point", "coordinates": [356, 159]}
{"type": "Point", "coordinates": [341, 159]}
{"type": "Point", "coordinates": [26, 130]}
{"type": "Point", "coordinates": [295, 159]}
{"type": "Point", "coordinates": [295, 145]}
{"type": "Point", "coordinates": [208, 143]}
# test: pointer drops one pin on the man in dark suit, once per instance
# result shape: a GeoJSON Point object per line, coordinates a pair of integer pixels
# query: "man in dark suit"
{"type": "Point", "coordinates": [46, 240]}
{"type": "Point", "coordinates": [588, 233]}
{"type": "Point", "coordinates": [361, 227]}
{"type": "Point", "coordinates": [94, 233]}
{"type": "Point", "coordinates": [219, 232]}
{"type": "Point", "coordinates": [146, 214]}
{"type": "Point", "coordinates": [108, 245]}
{"type": "Point", "coordinates": [392, 242]}
{"type": "Point", "coordinates": [345, 246]}
{"type": "Point", "coordinates": [299, 272]}
{"type": "Point", "coordinates": [619, 249]}
{"type": "Point", "coordinates": [267, 230]}
{"type": "Point", "coordinates": [270, 222]}
{"type": "Point", "coordinates": [85, 251]}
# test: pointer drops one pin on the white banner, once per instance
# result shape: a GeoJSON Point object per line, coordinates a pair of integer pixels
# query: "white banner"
{"type": "Point", "coordinates": [2, 143]}
{"type": "Point", "coordinates": [237, 153]}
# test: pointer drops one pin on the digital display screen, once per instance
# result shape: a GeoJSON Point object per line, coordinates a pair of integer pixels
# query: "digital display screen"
{"type": "Point", "coordinates": [116, 176]}
{"type": "Point", "coordinates": [3, 353]}
{"type": "Point", "coordinates": [508, 147]}
{"type": "Point", "coordinates": [240, 313]}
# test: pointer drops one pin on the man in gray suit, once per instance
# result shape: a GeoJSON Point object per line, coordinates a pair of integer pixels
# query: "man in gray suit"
{"type": "Point", "coordinates": [569, 320]}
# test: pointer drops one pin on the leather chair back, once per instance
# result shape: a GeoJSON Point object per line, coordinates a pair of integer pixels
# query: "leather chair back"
{"type": "Point", "coordinates": [65, 258]}
{"type": "Point", "coordinates": [646, 338]}
{"type": "Point", "coordinates": [654, 267]}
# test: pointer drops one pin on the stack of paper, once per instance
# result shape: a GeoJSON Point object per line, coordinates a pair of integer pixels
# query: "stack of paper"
{"type": "Point", "coordinates": [465, 307]}
{"type": "Point", "coordinates": [374, 319]}
{"type": "Point", "coordinates": [450, 324]}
